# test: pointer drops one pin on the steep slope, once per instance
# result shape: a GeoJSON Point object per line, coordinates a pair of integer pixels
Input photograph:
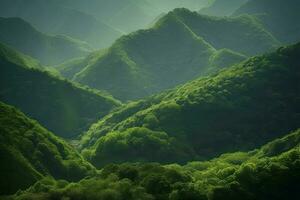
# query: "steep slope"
{"type": "Point", "coordinates": [222, 8]}
{"type": "Point", "coordinates": [279, 16]}
{"type": "Point", "coordinates": [48, 49]}
{"type": "Point", "coordinates": [242, 34]}
{"type": "Point", "coordinates": [236, 109]}
{"type": "Point", "coordinates": [148, 61]}
{"type": "Point", "coordinates": [55, 18]}
{"type": "Point", "coordinates": [59, 105]}
{"type": "Point", "coordinates": [29, 152]}
{"type": "Point", "coordinates": [177, 49]}
{"type": "Point", "coordinates": [241, 175]}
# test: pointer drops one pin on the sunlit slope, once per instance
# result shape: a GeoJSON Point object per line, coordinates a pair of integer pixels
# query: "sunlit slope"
{"type": "Point", "coordinates": [28, 152]}
{"type": "Point", "coordinates": [271, 172]}
{"type": "Point", "coordinates": [177, 49]}
{"type": "Point", "coordinates": [57, 104]}
{"type": "Point", "coordinates": [46, 48]}
{"type": "Point", "coordinates": [237, 109]}
{"type": "Point", "coordinates": [281, 17]}
{"type": "Point", "coordinates": [148, 61]}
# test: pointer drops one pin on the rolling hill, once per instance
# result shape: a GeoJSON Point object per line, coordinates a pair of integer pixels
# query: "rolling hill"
{"type": "Point", "coordinates": [238, 108]}
{"type": "Point", "coordinates": [61, 106]}
{"type": "Point", "coordinates": [279, 16]}
{"type": "Point", "coordinates": [50, 50]}
{"type": "Point", "coordinates": [149, 61]}
{"type": "Point", "coordinates": [29, 152]}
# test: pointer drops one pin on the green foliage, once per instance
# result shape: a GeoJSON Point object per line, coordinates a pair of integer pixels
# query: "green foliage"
{"type": "Point", "coordinates": [137, 144]}
{"type": "Point", "coordinates": [232, 176]}
{"type": "Point", "coordinates": [29, 152]}
{"type": "Point", "coordinates": [59, 105]}
{"type": "Point", "coordinates": [48, 49]}
{"type": "Point", "coordinates": [149, 61]}
{"type": "Point", "coordinates": [220, 113]}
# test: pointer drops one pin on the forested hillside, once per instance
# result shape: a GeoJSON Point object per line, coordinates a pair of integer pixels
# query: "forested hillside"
{"type": "Point", "coordinates": [149, 100]}
{"type": "Point", "coordinates": [29, 152]}
{"type": "Point", "coordinates": [47, 49]}
{"type": "Point", "coordinates": [149, 61]}
{"type": "Point", "coordinates": [59, 105]}
{"type": "Point", "coordinates": [236, 109]}
{"type": "Point", "coordinates": [252, 175]}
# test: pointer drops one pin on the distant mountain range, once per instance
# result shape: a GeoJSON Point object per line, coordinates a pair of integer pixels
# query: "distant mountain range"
{"type": "Point", "coordinates": [54, 18]}
{"type": "Point", "coordinates": [48, 49]}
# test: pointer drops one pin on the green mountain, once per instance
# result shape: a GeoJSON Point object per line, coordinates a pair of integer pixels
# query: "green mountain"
{"type": "Point", "coordinates": [243, 34]}
{"type": "Point", "coordinates": [28, 152]}
{"type": "Point", "coordinates": [149, 61]}
{"type": "Point", "coordinates": [59, 105]}
{"type": "Point", "coordinates": [236, 109]}
{"type": "Point", "coordinates": [271, 172]}
{"type": "Point", "coordinates": [279, 16]}
{"type": "Point", "coordinates": [222, 8]}
{"type": "Point", "coordinates": [129, 15]}
{"type": "Point", "coordinates": [56, 18]}
{"type": "Point", "coordinates": [48, 49]}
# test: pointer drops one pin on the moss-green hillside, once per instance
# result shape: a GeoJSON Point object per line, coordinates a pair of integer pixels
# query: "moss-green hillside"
{"type": "Point", "coordinates": [48, 49]}
{"type": "Point", "coordinates": [149, 61]}
{"type": "Point", "coordinates": [61, 106]}
{"type": "Point", "coordinates": [253, 175]}
{"type": "Point", "coordinates": [236, 109]}
{"type": "Point", "coordinates": [29, 152]}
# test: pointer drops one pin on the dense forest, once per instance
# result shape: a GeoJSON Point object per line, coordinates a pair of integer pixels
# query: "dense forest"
{"type": "Point", "coordinates": [149, 100]}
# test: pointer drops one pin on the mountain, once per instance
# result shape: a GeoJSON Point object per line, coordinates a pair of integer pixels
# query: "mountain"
{"type": "Point", "coordinates": [59, 105]}
{"type": "Point", "coordinates": [129, 15]}
{"type": "Point", "coordinates": [149, 61]}
{"type": "Point", "coordinates": [238, 108]}
{"type": "Point", "coordinates": [222, 8]}
{"type": "Point", "coordinates": [48, 49]}
{"type": "Point", "coordinates": [271, 172]}
{"type": "Point", "coordinates": [279, 16]}
{"type": "Point", "coordinates": [55, 18]}
{"type": "Point", "coordinates": [28, 152]}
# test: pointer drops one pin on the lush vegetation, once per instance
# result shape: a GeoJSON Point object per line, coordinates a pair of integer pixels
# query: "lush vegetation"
{"type": "Point", "coordinates": [235, 109]}
{"type": "Point", "coordinates": [149, 61]}
{"type": "Point", "coordinates": [29, 152]}
{"type": "Point", "coordinates": [211, 104]}
{"type": "Point", "coordinates": [59, 105]}
{"type": "Point", "coordinates": [271, 172]}
{"type": "Point", "coordinates": [47, 49]}
{"type": "Point", "coordinates": [279, 16]}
